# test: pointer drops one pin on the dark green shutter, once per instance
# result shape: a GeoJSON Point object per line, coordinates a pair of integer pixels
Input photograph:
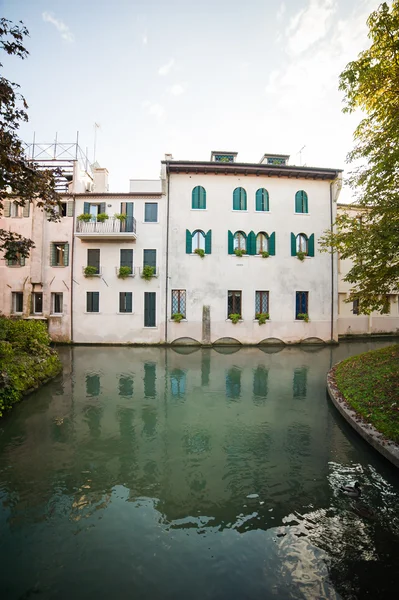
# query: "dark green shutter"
{"type": "Point", "coordinates": [262, 200]}
{"type": "Point", "coordinates": [293, 244]}
{"type": "Point", "coordinates": [126, 258]}
{"type": "Point", "coordinates": [150, 258]}
{"type": "Point", "coordinates": [128, 301]}
{"type": "Point", "coordinates": [202, 198]}
{"type": "Point", "coordinates": [70, 208]}
{"type": "Point", "coordinates": [311, 245]}
{"type": "Point", "coordinates": [66, 255]}
{"type": "Point", "coordinates": [93, 258]}
{"type": "Point", "coordinates": [251, 243]}
{"type": "Point", "coordinates": [195, 202]}
{"type": "Point", "coordinates": [272, 244]}
{"type": "Point", "coordinates": [149, 309]}
{"type": "Point", "coordinates": [243, 198]}
{"type": "Point", "coordinates": [103, 207]}
{"type": "Point", "coordinates": [305, 202]}
{"type": "Point", "coordinates": [236, 199]}
{"type": "Point", "coordinates": [96, 301]}
{"type": "Point", "coordinates": [121, 302]}
{"type": "Point", "coordinates": [26, 208]}
{"type": "Point", "coordinates": [189, 242]}
{"type": "Point", "coordinates": [86, 208]}
{"type": "Point", "coordinates": [52, 254]}
{"type": "Point", "coordinates": [266, 203]}
{"type": "Point", "coordinates": [298, 202]}
{"type": "Point", "coordinates": [208, 242]}
{"type": "Point", "coordinates": [230, 243]}
{"type": "Point", "coordinates": [7, 208]}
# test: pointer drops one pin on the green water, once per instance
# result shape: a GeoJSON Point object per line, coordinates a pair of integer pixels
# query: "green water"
{"type": "Point", "coordinates": [153, 473]}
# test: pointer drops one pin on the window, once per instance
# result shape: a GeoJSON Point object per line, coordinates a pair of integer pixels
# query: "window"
{"type": "Point", "coordinates": [301, 202]}
{"type": "Point", "coordinates": [301, 304]}
{"type": "Point", "coordinates": [57, 303]}
{"type": "Point", "coordinates": [37, 303]}
{"type": "Point", "coordinates": [59, 254]}
{"type": "Point", "coordinates": [151, 212]}
{"type": "Point", "coordinates": [262, 242]}
{"type": "Point", "coordinates": [149, 309]}
{"type": "Point", "coordinates": [19, 261]}
{"type": "Point", "coordinates": [94, 209]}
{"type": "Point", "coordinates": [240, 240]}
{"type": "Point", "coordinates": [17, 302]}
{"type": "Point", "coordinates": [233, 303]}
{"type": "Point", "coordinates": [198, 198]}
{"type": "Point", "coordinates": [302, 243]}
{"type": "Point", "coordinates": [92, 302]}
{"type": "Point", "coordinates": [261, 302]}
{"type": "Point", "coordinates": [179, 302]}
{"type": "Point", "coordinates": [128, 224]}
{"type": "Point", "coordinates": [93, 259]}
{"type": "Point", "coordinates": [125, 302]}
{"type": "Point", "coordinates": [150, 258]}
{"type": "Point", "coordinates": [63, 209]}
{"type": "Point", "coordinates": [355, 307]}
{"type": "Point", "coordinates": [239, 199]}
{"type": "Point", "coordinates": [14, 209]}
{"type": "Point", "coordinates": [262, 200]}
{"type": "Point", "coordinates": [150, 377]}
{"type": "Point", "coordinates": [126, 258]}
{"type": "Point", "coordinates": [198, 241]}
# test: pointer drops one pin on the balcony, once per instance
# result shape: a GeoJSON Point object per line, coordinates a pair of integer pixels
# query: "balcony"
{"type": "Point", "coordinates": [110, 229]}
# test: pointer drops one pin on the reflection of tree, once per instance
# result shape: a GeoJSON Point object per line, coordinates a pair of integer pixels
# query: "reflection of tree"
{"type": "Point", "coordinates": [126, 386]}
{"type": "Point", "coordinates": [233, 383]}
{"type": "Point", "coordinates": [92, 385]}
{"type": "Point", "coordinates": [299, 383]}
{"type": "Point", "coordinates": [260, 387]}
{"type": "Point", "coordinates": [178, 383]}
{"type": "Point", "coordinates": [150, 375]}
{"type": "Point", "coordinates": [205, 366]}
{"type": "Point", "coordinates": [197, 442]}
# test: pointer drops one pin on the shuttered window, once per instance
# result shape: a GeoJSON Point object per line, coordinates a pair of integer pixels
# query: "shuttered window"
{"type": "Point", "coordinates": [301, 202]}
{"type": "Point", "coordinates": [150, 258]}
{"type": "Point", "coordinates": [37, 303]}
{"type": "Point", "coordinates": [233, 302]}
{"type": "Point", "coordinates": [127, 209]}
{"type": "Point", "coordinates": [93, 302]}
{"type": "Point", "coordinates": [93, 258]}
{"type": "Point", "coordinates": [302, 243]}
{"type": "Point", "coordinates": [301, 304]}
{"type": "Point", "coordinates": [198, 198]}
{"type": "Point", "coordinates": [179, 302]}
{"type": "Point", "coordinates": [149, 309]}
{"type": "Point", "coordinates": [198, 240]}
{"type": "Point", "coordinates": [239, 199]}
{"type": "Point", "coordinates": [240, 240]}
{"type": "Point", "coordinates": [59, 254]}
{"type": "Point", "coordinates": [126, 258]}
{"type": "Point", "coordinates": [125, 302]}
{"type": "Point", "coordinates": [151, 212]}
{"type": "Point", "coordinates": [26, 209]}
{"type": "Point", "coordinates": [262, 200]}
{"type": "Point", "coordinates": [262, 243]}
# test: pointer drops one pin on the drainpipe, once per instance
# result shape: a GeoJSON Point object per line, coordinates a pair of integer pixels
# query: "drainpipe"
{"type": "Point", "coordinates": [72, 260]}
{"type": "Point", "coordinates": [332, 264]}
{"type": "Point", "coordinates": [167, 256]}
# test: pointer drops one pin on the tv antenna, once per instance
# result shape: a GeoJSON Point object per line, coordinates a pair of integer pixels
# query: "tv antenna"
{"type": "Point", "coordinates": [300, 155]}
{"type": "Point", "coordinates": [96, 126]}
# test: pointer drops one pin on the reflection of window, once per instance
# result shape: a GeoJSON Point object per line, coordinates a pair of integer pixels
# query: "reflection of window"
{"type": "Point", "coordinates": [301, 202]}
{"type": "Point", "coordinates": [239, 199]}
{"type": "Point", "coordinates": [262, 200]}
{"type": "Point", "coordinates": [17, 302]}
{"type": "Point", "coordinates": [299, 383]}
{"type": "Point", "coordinates": [233, 383]}
{"type": "Point", "coordinates": [198, 199]}
{"type": "Point", "coordinates": [150, 376]}
{"type": "Point", "coordinates": [261, 302]}
{"type": "Point", "coordinates": [233, 302]}
{"type": "Point", "coordinates": [93, 385]}
{"type": "Point", "coordinates": [125, 386]}
{"type": "Point", "coordinates": [56, 303]}
{"type": "Point", "coordinates": [260, 387]}
{"type": "Point", "coordinates": [93, 416]}
{"type": "Point", "coordinates": [301, 304]}
{"type": "Point", "coordinates": [37, 300]}
{"type": "Point", "coordinates": [197, 443]}
{"type": "Point", "coordinates": [178, 383]}
{"type": "Point", "coordinates": [262, 242]}
{"type": "Point", "coordinates": [198, 241]}
{"type": "Point", "coordinates": [205, 367]}
{"type": "Point", "coordinates": [240, 240]}
{"type": "Point", "coordinates": [149, 417]}
{"type": "Point", "coordinates": [179, 302]}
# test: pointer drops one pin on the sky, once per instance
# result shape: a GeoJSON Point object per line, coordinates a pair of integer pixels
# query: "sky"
{"type": "Point", "coordinates": [189, 76]}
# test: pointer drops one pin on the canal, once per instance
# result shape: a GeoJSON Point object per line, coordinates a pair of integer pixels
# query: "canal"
{"type": "Point", "coordinates": [193, 473]}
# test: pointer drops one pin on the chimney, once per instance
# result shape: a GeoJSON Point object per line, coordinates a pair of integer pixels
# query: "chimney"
{"type": "Point", "coordinates": [100, 179]}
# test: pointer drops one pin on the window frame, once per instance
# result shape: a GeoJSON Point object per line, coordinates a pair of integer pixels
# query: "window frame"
{"type": "Point", "coordinates": [264, 200]}
{"type": "Point", "coordinates": [125, 303]}
{"type": "Point", "coordinates": [304, 200]}
{"type": "Point", "coordinates": [14, 296]}
{"type": "Point", "coordinates": [267, 240]}
{"type": "Point", "coordinates": [196, 198]}
{"type": "Point", "coordinates": [242, 199]}
{"type": "Point", "coordinates": [145, 212]}
{"type": "Point", "coordinates": [263, 294]}
{"type": "Point", "coordinates": [234, 295]}
{"type": "Point", "coordinates": [238, 246]}
{"type": "Point", "coordinates": [298, 238]}
{"type": "Point", "coordinates": [35, 297]}
{"type": "Point", "coordinates": [53, 303]}
{"type": "Point", "coordinates": [298, 312]}
{"type": "Point", "coordinates": [201, 238]}
{"type": "Point", "coordinates": [64, 246]}
{"type": "Point", "coordinates": [181, 301]}
{"type": "Point", "coordinates": [91, 295]}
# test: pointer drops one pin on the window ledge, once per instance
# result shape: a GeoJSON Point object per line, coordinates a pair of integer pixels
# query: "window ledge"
{"type": "Point", "coordinates": [238, 210]}
{"type": "Point", "coordinates": [125, 313]}
{"type": "Point", "coordinates": [263, 211]}
{"type": "Point", "coordinates": [256, 321]}
{"type": "Point", "coordinates": [230, 321]}
{"type": "Point", "coordinates": [182, 321]}
{"type": "Point", "coordinates": [57, 315]}
{"type": "Point", "coordinates": [303, 214]}
{"type": "Point", "coordinates": [150, 222]}
{"type": "Point", "coordinates": [199, 209]}
{"type": "Point", "coordinates": [91, 313]}
{"type": "Point", "coordinates": [59, 266]}
{"type": "Point", "coordinates": [243, 256]}
{"type": "Point", "coordinates": [150, 326]}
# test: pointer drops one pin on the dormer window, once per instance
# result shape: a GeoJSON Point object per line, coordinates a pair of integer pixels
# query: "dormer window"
{"type": "Point", "coordinates": [223, 157]}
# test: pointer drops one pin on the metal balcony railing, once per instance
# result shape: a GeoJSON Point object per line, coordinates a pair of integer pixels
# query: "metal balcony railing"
{"type": "Point", "coordinates": [109, 226]}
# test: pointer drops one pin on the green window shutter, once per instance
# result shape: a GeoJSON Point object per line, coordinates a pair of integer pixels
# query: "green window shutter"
{"type": "Point", "coordinates": [305, 202]}
{"type": "Point", "coordinates": [262, 200]}
{"type": "Point", "coordinates": [258, 200]}
{"type": "Point", "coordinates": [150, 258]}
{"type": "Point", "coordinates": [251, 243]}
{"type": "Point", "coordinates": [202, 198]}
{"type": "Point", "coordinates": [149, 309]}
{"type": "Point", "coordinates": [86, 207]}
{"type": "Point", "coordinates": [243, 198]}
{"type": "Point", "coordinates": [129, 302]}
{"type": "Point", "coordinates": [311, 245]}
{"type": "Point", "coordinates": [96, 301]}
{"type": "Point", "coordinates": [66, 255]}
{"type": "Point", "coordinates": [26, 208]}
{"type": "Point", "coordinates": [93, 258]}
{"type": "Point", "coordinates": [126, 258]}
{"type": "Point", "coordinates": [52, 254]}
{"type": "Point", "coordinates": [293, 244]}
{"type": "Point", "coordinates": [266, 200]}
{"type": "Point", "coordinates": [70, 208]}
{"type": "Point", "coordinates": [195, 201]}
{"type": "Point", "coordinates": [272, 244]}
{"type": "Point", "coordinates": [230, 243]}
{"type": "Point", "coordinates": [208, 242]}
{"type": "Point", "coordinates": [189, 242]}
{"type": "Point", "coordinates": [298, 202]}
{"type": "Point", "coordinates": [236, 199]}
{"type": "Point", "coordinates": [7, 208]}
{"type": "Point", "coordinates": [103, 207]}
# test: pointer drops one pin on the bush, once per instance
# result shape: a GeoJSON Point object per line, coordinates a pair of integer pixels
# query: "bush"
{"type": "Point", "coordinates": [148, 272]}
{"type": "Point", "coordinates": [234, 317]}
{"type": "Point", "coordinates": [27, 335]}
{"type": "Point", "coordinates": [177, 317]}
{"type": "Point", "coordinates": [89, 271]}
{"type": "Point", "coordinates": [200, 252]}
{"type": "Point", "coordinates": [124, 272]}
{"type": "Point", "coordinates": [86, 217]}
{"type": "Point", "coordinates": [101, 217]}
{"type": "Point", "coordinates": [262, 318]}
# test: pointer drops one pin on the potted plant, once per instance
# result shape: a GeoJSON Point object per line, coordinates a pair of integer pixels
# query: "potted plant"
{"type": "Point", "coordinates": [303, 317]}
{"type": "Point", "coordinates": [262, 317]}
{"type": "Point", "coordinates": [265, 254]}
{"type": "Point", "coordinates": [86, 217]}
{"type": "Point", "coordinates": [121, 218]}
{"type": "Point", "coordinates": [124, 272]}
{"type": "Point", "coordinates": [101, 217]}
{"type": "Point", "coordinates": [240, 252]}
{"type": "Point", "coordinates": [177, 317]}
{"type": "Point", "coordinates": [89, 271]}
{"type": "Point", "coordinates": [301, 256]}
{"type": "Point", "coordinates": [234, 317]}
{"type": "Point", "coordinates": [148, 272]}
{"type": "Point", "coordinates": [200, 252]}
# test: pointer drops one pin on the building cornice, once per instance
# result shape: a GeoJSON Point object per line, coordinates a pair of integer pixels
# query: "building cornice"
{"type": "Point", "coordinates": [94, 196]}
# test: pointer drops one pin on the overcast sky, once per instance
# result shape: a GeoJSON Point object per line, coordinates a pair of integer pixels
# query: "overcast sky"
{"type": "Point", "coordinates": [189, 76]}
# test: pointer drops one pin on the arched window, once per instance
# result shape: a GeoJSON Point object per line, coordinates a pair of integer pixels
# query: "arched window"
{"type": "Point", "coordinates": [198, 240]}
{"type": "Point", "coordinates": [239, 199]}
{"type": "Point", "coordinates": [302, 243]}
{"type": "Point", "coordinates": [301, 202]}
{"type": "Point", "coordinates": [240, 240]}
{"type": "Point", "coordinates": [198, 198]}
{"type": "Point", "coordinates": [262, 242]}
{"type": "Point", "coordinates": [262, 200]}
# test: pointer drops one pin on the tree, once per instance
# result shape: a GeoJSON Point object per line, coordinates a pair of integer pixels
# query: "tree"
{"type": "Point", "coordinates": [370, 239]}
{"type": "Point", "coordinates": [20, 179]}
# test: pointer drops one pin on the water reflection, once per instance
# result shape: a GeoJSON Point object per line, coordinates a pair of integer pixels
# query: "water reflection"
{"type": "Point", "coordinates": [138, 474]}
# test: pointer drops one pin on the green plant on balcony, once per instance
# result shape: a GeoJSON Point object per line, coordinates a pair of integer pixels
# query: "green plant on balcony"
{"type": "Point", "coordinates": [303, 317]}
{"type": "Point", "coordinates": [121, 217]}
{"type": "Point", "coordinates": [148, 272]}
{"type": "Point", "coordinates": [240, 252]}
{"type": "Point", "coordinates": [265, 254]}
{"type": "Point", "coordinates": [234, 318]}
{"type": "Point", "coordinates": [262, 317]}
{"type": "Point", "coordinates": [177, 317]}
{"type": "Point", "coordinates": [86, 217]}
{"type": "Point", "coordinates": [301, 256]}
{"type": "Point", "coordinates": [200, 252]}
{"type": "Point", "coordinates": [90, 271]}
{"type": "Point", "coordinates": [124, 272]}
{"type": "Point", "coordinates": [101, 217]}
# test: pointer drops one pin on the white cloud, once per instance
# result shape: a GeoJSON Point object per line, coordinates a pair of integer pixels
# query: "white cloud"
{"type": "Point", "coordinates": [154, 109]}
{"type": "Point", "coordinates": [281, 11]}
{"type": "Point", "coordinates": [64, 30]}
{"type": "Point", "coordinates": [144, 38]}
{"type": "Point", "coordinates": [310, 25]}
{"type": "Point", "coordinates": [177, 89]}
{"type": "Point", "coordinates": [164, 70]}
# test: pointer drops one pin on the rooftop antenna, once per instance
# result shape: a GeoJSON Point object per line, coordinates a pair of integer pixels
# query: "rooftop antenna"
{"type": "Point", "coordinates": [300, 155]}
{"type": "Point", "coordinates": [96, 126]}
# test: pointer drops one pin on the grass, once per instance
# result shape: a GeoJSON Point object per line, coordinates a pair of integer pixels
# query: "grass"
{"type": "Point", "coordinates": [369, 383]}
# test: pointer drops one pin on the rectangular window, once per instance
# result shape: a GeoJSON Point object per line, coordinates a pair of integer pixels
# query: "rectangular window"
{"type": "Point", "coordinates": [59, 254]}
{"type": "Point", "coordinates": [37, 299]}
{"type": "Point", "coordinates": [179, 302]}
{"type": "Point", "coordinates": [301, 304]}
{"type": "Point", "coordinates": [17, 262]}
{"type": "Point", "coordinates": [62, 210]}
{"type": "Point", "coordinates": [93, 302]}
{"type": "Point", "coordinates": [17, 302]}
{"type": "Point", "coordinates": [93, 258]}
{"type": "Point", "coordinates": [149, 309]}
{"type": "Point", "coordinates": [125, 302]}
{"type": "Point", "coordinates": [261, 302]}
{"type": "Point", "coordinates": [126, 258]}
{"type": "Point", "coordinates": [150, 258]}
{"type": "Point", "coordinates": [233, 303]}
{"type": "Point", "coordinates": [151, 212]}
{"type": "Point", "coordinates": [57, 303]}
{"type": "Point", "coordinates": [14, 209]}
{"type": "Point", "coordinates": [355, 307]}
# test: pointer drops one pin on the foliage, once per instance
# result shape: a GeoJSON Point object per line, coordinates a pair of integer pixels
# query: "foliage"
{"type": "Point", "coordinates": [303, 317]}
{"type": "Point", "coordinates": [262, 317]}
{"type": "Point", "coordinates": [121, 217]}
{"type": "Point", "coordinates": [124, 272]}
{"type": "Point", "coordinates": [86, 217]}
{"type": "Point", "coordinates": [148, 272]}
{"type": "Point", "coordinates": [26, 359]}
{"type": "Point", "coordinates": [101, 217]}
{"type": "Point", "coordinates": [265, 254]}
{"type": "Point", "coordinates": [235, 317]}
{"type": "Point", "coordinates": [301, 256]}
{"type": "Point", "coordinates": [371, 84]}
{"type": "Point", "coordinates": [369, 383]}
{"type": "Point", "coordinates": [89, 271]}
{"type": "Point", "coordinates": [239, 252]}
{"type": "Point", "coordinates": [200, 252]}
{"type": "Point", "coordinates": [177, 317]}
{"type": "Point", "coordinates": [21, 181]}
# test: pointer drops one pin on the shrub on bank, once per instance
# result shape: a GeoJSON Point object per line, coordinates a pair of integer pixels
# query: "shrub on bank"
{"type": "Point", "coordinates": [26, 359]}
